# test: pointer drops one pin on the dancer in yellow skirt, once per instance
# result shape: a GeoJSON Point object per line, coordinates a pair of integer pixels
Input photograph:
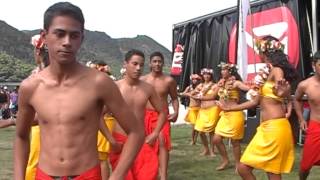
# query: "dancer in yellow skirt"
{"type": "Point", "coordinates": [34, 153]}
{"type": "Point", "coordinates": [194, 105]}
{"type": "Point", "coordinates": [104, 146]}
{"type": "Point", "coordinates": [209, 112]}
{"type": "Point", "coordinates": [230, 124]}
{"type": "Point", "coordinates": [272, 148]}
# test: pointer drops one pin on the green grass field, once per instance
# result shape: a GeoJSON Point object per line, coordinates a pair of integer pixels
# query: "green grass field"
{"type": "Point", "coordinates": [185, 161]}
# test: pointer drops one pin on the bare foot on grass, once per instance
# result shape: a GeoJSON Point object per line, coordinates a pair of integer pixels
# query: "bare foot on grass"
{"type": "Point", "coordinates": [223, 166]}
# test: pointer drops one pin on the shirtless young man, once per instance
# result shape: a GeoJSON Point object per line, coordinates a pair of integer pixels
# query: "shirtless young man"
{"type": "Point", "coordinates": [310, 87]}
{"type": "Point", "coordinates": [165, 86]}
{"type": "Point", "coordinates": [137, 93]}
{"type": "Point", "coordinates": [68, 99]}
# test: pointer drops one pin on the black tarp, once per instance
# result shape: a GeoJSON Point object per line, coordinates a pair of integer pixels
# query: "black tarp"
{"type": "Point", "coordinates": [206, 39]}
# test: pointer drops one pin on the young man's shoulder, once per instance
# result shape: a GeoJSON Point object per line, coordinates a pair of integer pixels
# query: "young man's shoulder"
{"type": "Point", "coordinates": [307, 82]}
{"type": "Point", "coordinates": [170, 81]}
{"type": "Point", "coordinates": [98, 77]}
{"type": "Point", "coordinates": [145, 86]}
{"type": "Point", "coordinates": [32, 81]}
{"type": "Point", "coordinates": [30, 84]}
{"type": "Point", "coordinates": [145, 77]}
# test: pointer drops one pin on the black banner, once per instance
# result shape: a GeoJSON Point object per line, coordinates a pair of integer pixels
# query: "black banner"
{"type": "Point", "coordinates": [205, 41]}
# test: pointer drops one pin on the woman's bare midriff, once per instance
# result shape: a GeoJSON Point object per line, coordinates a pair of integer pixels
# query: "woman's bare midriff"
{"type": "Point", "coordinates": [271, 109]}
{"type": "Point", "coordinates": [207, 104]}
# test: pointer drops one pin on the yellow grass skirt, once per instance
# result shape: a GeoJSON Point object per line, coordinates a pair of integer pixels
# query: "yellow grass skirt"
{"type": "Point", "coordinates": [231, 124]}
{"type": "Point", "coordinates": [192, 114]}
{"type": "Point", "coordinates": [271, 149]}
{"type": "Point", "coordinates": [104, 146]}
{"type": "Point", "coordinates": [207, 119]}
{"type": "Point", "coordinates": [34, 153]}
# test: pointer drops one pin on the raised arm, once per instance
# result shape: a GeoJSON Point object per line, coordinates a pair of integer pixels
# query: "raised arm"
{"type": "Point", "coordinates": [282, 87]}
{"type": "Point", "coordinates": [174, 99]}
{"type": "Point", "coordinates": [127, 120]}
{"type": "Point", "coordinates": [242, 86]}
{"type": "Point", "coordinates": [214, 88]}
{"type": "Point", "coordinates": [158, 106]}
{"type": "Point", "coordinates": [24, 121]}
{"type": "Point", "coordinates": [238, 107]}
{"type": "Point", "coordinates": [185, 93]}
{"type": "Point", "coordinates": [289, 106]}
{"type": "Point", "coordinates": [298, 104]}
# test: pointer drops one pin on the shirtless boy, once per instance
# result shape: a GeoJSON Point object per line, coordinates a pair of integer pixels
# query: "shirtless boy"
{"type": "Point", "coordinates": [68, 99]}
{"type": "Point", "coordinates": [137, 93]}
{"type": "Point", "coordinates": [310, 87]}
{"type": "Point", "coordinates": [165, 86]}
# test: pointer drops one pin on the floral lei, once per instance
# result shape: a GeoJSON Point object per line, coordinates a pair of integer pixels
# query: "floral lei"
{"type": "Point", "coordinates": [259, 80]}
{"type": "Point", "coordinates": [204, 89]}
{"type": "Point", "coordinates": [225, 85]}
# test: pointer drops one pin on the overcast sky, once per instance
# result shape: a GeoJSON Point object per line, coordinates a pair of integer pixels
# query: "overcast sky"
{"type": "Point", "coordinates": [117, 18]}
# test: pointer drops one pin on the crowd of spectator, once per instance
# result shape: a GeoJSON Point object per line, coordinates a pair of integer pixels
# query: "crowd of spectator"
{"type": "Point", "coordinates": [8, 102]}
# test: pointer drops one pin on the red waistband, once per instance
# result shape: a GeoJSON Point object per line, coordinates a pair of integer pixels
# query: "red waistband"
{"type": "Point", "coordinates": [314, 121]}
{"type": "Point", "coordinates": [153, 110]}
{"type": "Point", "coordinates": [93, 173]}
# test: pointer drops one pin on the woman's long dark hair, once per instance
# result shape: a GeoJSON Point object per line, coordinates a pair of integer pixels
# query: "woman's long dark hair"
{"type": "Point", "coordinates": [234, 72]}
{"type": "Point", "coordinates": [279, 59]}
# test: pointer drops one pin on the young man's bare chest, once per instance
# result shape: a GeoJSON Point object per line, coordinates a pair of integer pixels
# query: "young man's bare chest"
{"type": "Point", "coordinates": [64, 103]}
{"type": "Point", "coordinates": [313, 93]}
{"type": "Point", "coordinates": [160, 85]}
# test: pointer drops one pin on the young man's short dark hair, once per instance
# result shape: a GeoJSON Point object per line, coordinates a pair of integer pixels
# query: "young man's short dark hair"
{"type": "Point", "coordinates": [133, 52]}
{"type": "Point", "coordinates": [62, 9]}
{"type": "Point", "coordinates": [157, 53]}
{"type": "Point", "coordinates": [316, 56]}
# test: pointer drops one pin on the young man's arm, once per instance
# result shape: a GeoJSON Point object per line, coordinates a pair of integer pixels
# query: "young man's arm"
{"type": "Point", "coordinates": [7, 122]}
{"type": "Point", "coordinates": [298, 105]}
{"type": "Point", "coordinates": [129, 123]}
{"type": "Point", "coordinates": [174, 99]}
{"type": "Point", "coordinates": [156, 103]}
{"type": "Point", "coordinates": [115, 146]}
{"type": "Point", "coordinates": [25, 116]}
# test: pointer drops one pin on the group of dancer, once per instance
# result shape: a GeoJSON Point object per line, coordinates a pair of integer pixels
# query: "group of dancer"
{"type": "Point", "coordinates": [66, 104]}
{"type": "Point", "coordinates": [215, 109]}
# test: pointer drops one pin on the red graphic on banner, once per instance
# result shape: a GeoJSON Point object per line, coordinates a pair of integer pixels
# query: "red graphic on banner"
{"type": "Point", "coordinates": [278, 22]}
{"type": "Point", "coordinates": [177, 60]}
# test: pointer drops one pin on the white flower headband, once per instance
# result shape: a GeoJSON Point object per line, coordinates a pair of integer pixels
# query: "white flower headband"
{"type": "Point", "coordinates": [206, 71]}
{"type": "Point", "coordinates": [224, 65]}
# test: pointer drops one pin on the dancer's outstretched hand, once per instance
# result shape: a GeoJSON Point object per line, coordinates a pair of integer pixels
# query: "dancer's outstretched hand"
{"type": "Point", "coordinates": [222, 105]}
{"type": "Point", "coordinates": [282, 88]}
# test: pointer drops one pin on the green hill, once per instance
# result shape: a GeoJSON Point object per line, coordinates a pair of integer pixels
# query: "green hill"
{"type": "Point", "coordinates": [15, 44]}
